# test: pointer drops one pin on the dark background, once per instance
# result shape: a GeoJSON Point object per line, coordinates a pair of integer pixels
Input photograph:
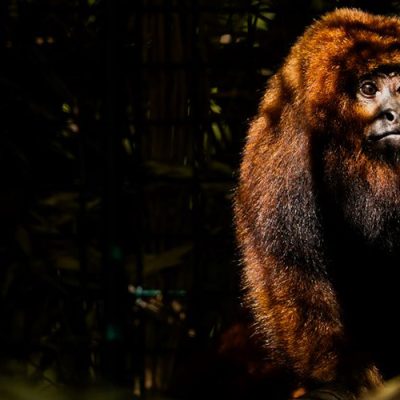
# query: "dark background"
{"type": "Point", "coordinates": [122, 123]}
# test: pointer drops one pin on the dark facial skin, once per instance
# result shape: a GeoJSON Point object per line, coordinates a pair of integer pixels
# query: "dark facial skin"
{"type": "Point", "coordinates": [379, 95]}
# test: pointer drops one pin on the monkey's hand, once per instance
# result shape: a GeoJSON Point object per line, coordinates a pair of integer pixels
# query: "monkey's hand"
{"type": "Point", "coordinates": [328, 393]}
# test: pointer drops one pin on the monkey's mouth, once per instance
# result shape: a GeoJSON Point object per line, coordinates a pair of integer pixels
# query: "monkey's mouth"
{"type": "Point", "coordinates": [385, 142]}
{"type": "Point", "coordinates": [389, 135]}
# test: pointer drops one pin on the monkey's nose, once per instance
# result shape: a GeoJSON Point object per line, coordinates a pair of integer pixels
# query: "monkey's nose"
{"type": "Point", "coordinates": [391, 115]}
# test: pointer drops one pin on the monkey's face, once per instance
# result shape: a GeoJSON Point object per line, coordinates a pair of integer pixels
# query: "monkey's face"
{"type": "Point", "coordinates": [363, 170]}
{"type": "Point", "coordinates": [378, 96]}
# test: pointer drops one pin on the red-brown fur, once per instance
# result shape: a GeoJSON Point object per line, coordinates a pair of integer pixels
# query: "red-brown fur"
{"type": "Point", "coordinates": [304, 157]}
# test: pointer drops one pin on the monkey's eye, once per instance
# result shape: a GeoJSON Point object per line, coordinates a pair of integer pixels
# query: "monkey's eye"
{"type": "Point", "coordinates": [368, 88]}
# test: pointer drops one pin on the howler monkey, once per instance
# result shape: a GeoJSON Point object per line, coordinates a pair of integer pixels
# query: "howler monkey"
{"type": "Point", "coordinates": [317, 207]}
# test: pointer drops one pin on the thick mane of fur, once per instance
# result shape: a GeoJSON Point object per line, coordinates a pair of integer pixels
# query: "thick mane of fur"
{"type": "Point", "coordinates": [304, 144]}
{"type": "Point", "coordinates": [331, 52]}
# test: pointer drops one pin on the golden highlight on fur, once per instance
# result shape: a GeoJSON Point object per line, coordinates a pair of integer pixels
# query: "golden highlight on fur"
{"type": "Point", "coordinates": [308, 192]}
